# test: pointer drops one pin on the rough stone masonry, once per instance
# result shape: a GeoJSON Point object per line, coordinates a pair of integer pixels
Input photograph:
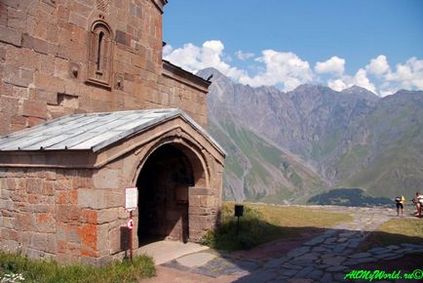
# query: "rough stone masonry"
{"type": "Point", "coordinates": [67, 151]}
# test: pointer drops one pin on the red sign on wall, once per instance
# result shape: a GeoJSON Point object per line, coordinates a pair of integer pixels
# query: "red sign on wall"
{"type": "Point", "coordinates": [131, 224]}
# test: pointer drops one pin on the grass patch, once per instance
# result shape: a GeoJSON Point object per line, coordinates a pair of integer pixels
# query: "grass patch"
{"type": "Point", "coordinates": [396, 231]}
{"type": "Point", "coordinates": [51, 271]}
{"type": "Point", "coordinates": [300, 216]}
{"type": "Point", "coordinates": [264, 223]}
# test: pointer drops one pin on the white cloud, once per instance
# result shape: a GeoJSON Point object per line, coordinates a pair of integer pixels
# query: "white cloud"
{"type": "Point", "coordinates": [194, 58]}
{"type": "Point", "coordinates": [378, 66]}
{"type": "Point", "coordinates": [167, 49]}
{"type": "Point", "coordinates": [287, 71]}
{"type": "Point", "coordinates": [379, 78]}
{"type": "Point", "coordinates": [281, 68]}
{"type": "Point", "coordinates": [338, 85]}
{"type": "Point", "coordinates": [361, 80]}
{"type": "Point", "coordinates": [334, 65]}
{"type": "Point", "coordinates": [186, 57]}
{"type": "Point", "coordinates": [408, 75]}
{"type": "Point", "coordinates": [243, 56]}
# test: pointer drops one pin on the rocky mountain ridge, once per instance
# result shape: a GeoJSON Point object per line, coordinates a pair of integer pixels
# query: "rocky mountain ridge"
{"type": "Point", "coordinates": [339, 136]}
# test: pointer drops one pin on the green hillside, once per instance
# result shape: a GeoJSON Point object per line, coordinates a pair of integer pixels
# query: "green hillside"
{"type": "Point", "coordinates": [265, 172]}
{"type": "Point", "coordinates": [396, 171]}
{"type": "Point", "coordinates": [391, 162]}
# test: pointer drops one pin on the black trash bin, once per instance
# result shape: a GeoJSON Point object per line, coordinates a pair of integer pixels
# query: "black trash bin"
{"type": "Point", "coordinates": [239, 210]}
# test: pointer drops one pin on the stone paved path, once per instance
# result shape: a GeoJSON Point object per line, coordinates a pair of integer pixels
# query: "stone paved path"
{"type": "Point", "coordinates": [325, 258]}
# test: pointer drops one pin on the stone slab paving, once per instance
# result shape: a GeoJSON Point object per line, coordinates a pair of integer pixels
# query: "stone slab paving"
{"type": "Point", "coordinates": [164, 251]}
{"type": "Point", "coordinates": [196, 259]}
{"type": "Point", "coordinates": [325, 258]}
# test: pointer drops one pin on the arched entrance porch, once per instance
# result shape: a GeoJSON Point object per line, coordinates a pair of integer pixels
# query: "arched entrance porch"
{"type": "Point", "coordinates": [164, 182]}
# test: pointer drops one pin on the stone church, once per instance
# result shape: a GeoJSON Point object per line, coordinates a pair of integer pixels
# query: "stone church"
{"type": "Point", "coordinates": [88, 109]}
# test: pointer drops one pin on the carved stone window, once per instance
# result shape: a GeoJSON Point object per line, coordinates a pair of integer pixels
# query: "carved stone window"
{"type": "Point", "coordinates": [100, 55]}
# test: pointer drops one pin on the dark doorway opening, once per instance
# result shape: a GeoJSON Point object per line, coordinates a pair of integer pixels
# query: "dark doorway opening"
{"type": "Point", "coordinates": [163, 186]}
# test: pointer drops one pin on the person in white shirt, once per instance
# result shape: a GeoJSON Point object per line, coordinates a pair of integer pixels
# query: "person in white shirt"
{"type": "Point", "coordinates": [418, 202]}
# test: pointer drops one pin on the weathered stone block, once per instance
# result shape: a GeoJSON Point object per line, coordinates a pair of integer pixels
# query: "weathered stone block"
{"type": "Point", "coordinates": [18, 76]}
{"type": "Point", "coordinates": [68, 213]}
{"type": "Point", "coordinates": [88, 234]}
{"type": "Point", "coordinates": [83, 181]}
{"type": "Point", "coordinates": [16, 18]}
{"type": "Point", "coordinates": [41, 208]}
{"type": "Point", "coordinates": [78, 19]}
{"type": "Point", "coordinates": [34, 186]}
{"type": "Point", "coordinates": [115, 240]}
{"type": "Point", "coordinates": [3, 14]}
{"type": "Point", "coordinates": [48, 83]}
{"type": "Point", "coordinates": [67, 233]}
{"type": "Point", "coordinates": [7, 204]}
{"type": "Point", "coordinates": [107, 178]}
{"type": "Point", "coordinates": [91, 198]}
{"type": "Point", "coordinates": [11, 36]}
{"type": "Point", "coordinates": [43, 242]}
{"type": "Point", "coordinates": [89, 216]}
{"type": "Point", "coordinates": [9, 234]}
{"type": "Point", "coordinates": [10, 184]}
{"type": "Point", "coordinates": [63, 183]}
{"type": "Point", "coordinates": [115, 198]}
{"type": "Point", "coordinates": [48, 188]}
{"type": "Point", "coordinates": [84, 8]}
{"type": "Point", "coordinates": [107, 215]}
{"type": "Point", "coordinates": [123, 38]}
{"type": "Point", "coordinates": [33, 121]}
{"type": "Point", "coordinates": [102, 242]}
{"type": "Point", "coordinates": [24, 222]}
{"type": "Point", "coordinates": [36, 44]}
{"type": "Point", "coordinates": [8, 222]}
{"type": "Point", "coordinates": [69, 197]}
{"type": "Point", "coordinates": [4, 193]}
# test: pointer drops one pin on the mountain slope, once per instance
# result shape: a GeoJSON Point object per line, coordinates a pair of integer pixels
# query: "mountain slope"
{"type": "Point", "coordinates": [351, 138]}
{"type": "Point", "coordinates": [255, 169]}
{"type": "Point", "coordinates": [393, 156]}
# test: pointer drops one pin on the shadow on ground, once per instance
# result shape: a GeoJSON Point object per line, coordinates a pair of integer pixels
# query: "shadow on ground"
{"type": "Point", "coordinates": [313, 254]}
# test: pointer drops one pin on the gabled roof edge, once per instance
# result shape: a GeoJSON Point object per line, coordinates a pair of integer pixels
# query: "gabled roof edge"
{"type": "Point", "coordinates": [176, 112]}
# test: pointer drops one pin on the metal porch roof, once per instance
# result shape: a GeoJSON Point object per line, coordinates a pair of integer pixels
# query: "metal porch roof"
{"type": "Point", "coordinates": [93, 131]}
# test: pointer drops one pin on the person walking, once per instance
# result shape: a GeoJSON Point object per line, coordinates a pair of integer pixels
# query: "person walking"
{"type": "Point", "coordinates": [418, 202]}
{"type": "Point", "coordinates": [399, 201]}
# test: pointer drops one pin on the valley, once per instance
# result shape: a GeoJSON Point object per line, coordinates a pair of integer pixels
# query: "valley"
{"type": "Point", "coordinates": [286, 147]}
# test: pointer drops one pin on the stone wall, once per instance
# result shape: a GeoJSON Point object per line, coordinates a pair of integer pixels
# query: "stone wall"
{"type": "Point", "coordinates": [47, 56]}
{"type": "Point", "coordinates": [40, 216]}
{"type": "Point", "coordinates": [72, 209]}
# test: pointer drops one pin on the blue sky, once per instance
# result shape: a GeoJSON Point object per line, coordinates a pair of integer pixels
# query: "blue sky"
{"type": "Point", "coordinates": [375, 44]}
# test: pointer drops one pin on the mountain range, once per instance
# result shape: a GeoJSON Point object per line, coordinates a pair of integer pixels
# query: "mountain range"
{"type": "Point", "coordinates": [289, 147]}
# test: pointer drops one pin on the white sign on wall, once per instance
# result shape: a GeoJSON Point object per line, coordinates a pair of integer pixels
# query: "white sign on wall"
{"type": "Point", "coordinates": [131, 198]}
